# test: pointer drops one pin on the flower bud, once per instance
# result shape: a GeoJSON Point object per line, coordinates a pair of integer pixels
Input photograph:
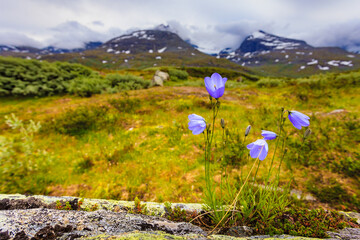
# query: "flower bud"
{"type": "Point", "coordinates": [222, 123]}
{"type": "Point", "coordinates": [307, 133]}
{"type": "Point", "coordinates": [247, 131]}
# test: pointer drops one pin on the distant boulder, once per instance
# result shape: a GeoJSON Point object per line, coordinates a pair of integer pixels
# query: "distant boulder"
{"type": "Point", "coordinates": [159, 78]}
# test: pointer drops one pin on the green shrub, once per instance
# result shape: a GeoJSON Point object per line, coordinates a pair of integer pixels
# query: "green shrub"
{"type": "Point", "coordinates": [78, 121]}
{"type": "Point", "coordinates": [34, 78]}
{"type": "Point", "coordinates": [125, 105]}
{"type": "Point", "coordinates": [127, 82]}
{"type": "Point", "coordinates": [23, 167]}
{"type": "Point", "coordinates": [270, 82]}
{"type": "Point", "coordinates": [86, 87]}
{"type": "Point", "coordinates": [178, 75]}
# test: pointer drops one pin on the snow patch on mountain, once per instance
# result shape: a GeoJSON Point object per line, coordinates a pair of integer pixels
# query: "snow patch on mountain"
{"type": "Point", "coordinates": [162, 50]}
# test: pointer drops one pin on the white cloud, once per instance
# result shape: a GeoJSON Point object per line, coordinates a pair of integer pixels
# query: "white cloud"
{"type": "Point", "coordinates": [68, 23]}
{"type": "Point", "coordinates": [18, 39]}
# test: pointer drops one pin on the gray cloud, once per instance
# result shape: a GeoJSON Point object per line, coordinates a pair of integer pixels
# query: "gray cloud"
{"type": "Point", "coordinates": [68, 23]}
{"type": "Point", "coordinates": [72, 34]}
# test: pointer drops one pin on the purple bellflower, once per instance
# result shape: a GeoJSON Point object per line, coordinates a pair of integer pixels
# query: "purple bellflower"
{"type": "Point", "coordinates": [268, 135]}
{"type": "Point", "coordinates": [298, 119]}
{"type": "Point", "coordinates": [258, 149]}
{"type": "Point", "coordinates": [215, 85]}
{"type": "Point", "coordinates": [197, 124]}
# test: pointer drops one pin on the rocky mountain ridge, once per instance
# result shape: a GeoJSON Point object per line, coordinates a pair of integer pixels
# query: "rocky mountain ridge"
{"type": "Point", "coordinates": [270, 53]}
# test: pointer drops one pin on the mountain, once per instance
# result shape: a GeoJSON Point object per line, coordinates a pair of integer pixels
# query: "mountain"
{"type": "Point", "coordinates": [139, 49]}
{"type": "Point", "coordinates": [47, 50]}
{"type": "Point", "coordinates": [273, 55]}
{"type": "Point", "coordinates": [262, 41]}
{"type": "Point", "coordinates": [151, 41]}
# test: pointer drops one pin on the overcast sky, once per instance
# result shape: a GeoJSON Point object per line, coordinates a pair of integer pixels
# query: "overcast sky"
{"type": "Point", "coordinates": [210, 24]}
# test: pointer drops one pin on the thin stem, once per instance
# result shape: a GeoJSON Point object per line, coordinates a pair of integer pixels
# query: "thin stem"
{"type": "Point", "coordinates": [277, 143]}
{"type": "Point", "coordinates": [238, 194]}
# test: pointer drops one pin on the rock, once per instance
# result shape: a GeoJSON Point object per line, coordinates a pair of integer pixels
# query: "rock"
{"type": "Point", "coordinates": [159, 78]}
{"type": "Point", "coordinates": [157, 81]}
{"type": "Point", "coordinates": [346, 233]}
{"type": "Point", "coordinates": [349, 215]}
{"type": "Point", "coordinates": [240, 231]}
{"type": "Point", "coordinates": [336, 111]}
{"type": "Point", "coordinates": [42, 223]}
{"type": "Point", "coordinates": [31, 202]}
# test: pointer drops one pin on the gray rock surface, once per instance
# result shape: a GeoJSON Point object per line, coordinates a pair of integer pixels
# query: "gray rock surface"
{"type": "Point", "coordinates": [75, 224]}
{"type": "Point", "coordinates": [346, 234]}
{"type": "Point", "coordinates": [240, 231]}
{"type": "Point", "coordinates": [159, 78]}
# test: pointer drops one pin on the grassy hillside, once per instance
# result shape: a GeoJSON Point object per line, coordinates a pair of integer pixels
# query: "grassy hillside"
{"type": "Point", "coordinates": [102, 60]}
{"type": "Point", "coordinates": [295, 63]}
{"type": "Point", "coordinates": [136, 143]}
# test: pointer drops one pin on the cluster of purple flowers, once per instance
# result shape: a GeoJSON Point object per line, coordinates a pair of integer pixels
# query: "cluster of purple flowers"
{"type": "Point", "coordinates": [215, 85]}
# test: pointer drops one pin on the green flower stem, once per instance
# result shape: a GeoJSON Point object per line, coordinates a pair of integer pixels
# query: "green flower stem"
{"type": "Point", "coordinates": [210, 191]}
{"type": "Point", "coordinates": [233, 204]}
{"type": "Point", "coordinates": [277, 143]}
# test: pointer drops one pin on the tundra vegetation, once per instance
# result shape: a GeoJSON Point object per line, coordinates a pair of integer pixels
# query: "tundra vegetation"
{"type": "Point", "coordinates": [69, 130]}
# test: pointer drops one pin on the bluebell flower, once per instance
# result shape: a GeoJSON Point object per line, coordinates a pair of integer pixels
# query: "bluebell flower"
{"type": "Point", "coordinates": [197, 124]}
{"type": "Point", "coordinates": [215, 85]}
{"type": "Point", "coordinates": [258, 149]}
{"type": "Point", "coordinates": [268, 135]}
{"type": "Point", "coordinates": [298, 119]}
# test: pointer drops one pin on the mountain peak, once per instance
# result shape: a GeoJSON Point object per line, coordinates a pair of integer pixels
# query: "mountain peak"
{"type": "Point", "coordinates": [259, 34]}
{"type": "Point", "coordinates": [163, 27]}
{"type": "Point", "coordinates": [262, 41]}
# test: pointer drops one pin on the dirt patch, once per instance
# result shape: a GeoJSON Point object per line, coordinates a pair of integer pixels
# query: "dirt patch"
{"type": "Point", "coordinates": [71, 190]}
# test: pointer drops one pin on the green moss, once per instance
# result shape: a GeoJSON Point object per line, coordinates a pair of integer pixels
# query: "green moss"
{"type": "Point", "coordinates": [303, 222]}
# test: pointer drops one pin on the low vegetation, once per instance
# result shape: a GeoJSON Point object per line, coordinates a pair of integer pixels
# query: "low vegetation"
{"type": "Point", "coordinates": [20, 77]}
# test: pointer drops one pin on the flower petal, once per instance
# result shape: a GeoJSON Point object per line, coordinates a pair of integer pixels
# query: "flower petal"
{"type": "Point", "coordinates": [195, 117]}
{"type": "Point", "coordinates": [209, 83]}
{"type": "Point", "coordinates": [258, 149]}
{"type": "Point", "coordinates": [268, 135]}
{"type": "Point", "coordinates": [263, 153]}
{"type": "Point", "coordinates": [294, 122]}
{"type": "Point", "coordinates": [300, 114]}
{"type": "Point", "coordinates": [198, 130]}
{"type": "Point", "coordinates": [197, 124]}
{"type": "Point", "coordinates": [250, 146]}
{"type": "Point", "coordinates": [218, 81]}
{"type": "Point", "coordinates": [255, 151]}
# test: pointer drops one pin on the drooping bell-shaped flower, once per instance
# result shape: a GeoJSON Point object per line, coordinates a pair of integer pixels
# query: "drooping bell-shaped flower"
{"type": "Point", "coordinates": [268, 135]}
{"type": "Point", "coordinates": [298, 119]}
{"type": "Point", "coordinates": [215, 85]}
{"type": "Point", "coordinates": [197, 124]}
{"type": "Point", "coordinates": [258, 149]}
